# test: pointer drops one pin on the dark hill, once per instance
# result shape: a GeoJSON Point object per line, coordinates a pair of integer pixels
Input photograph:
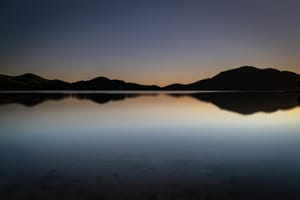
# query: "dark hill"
{"type": "Point", "coordinates": [245, 78]}
{"type": "Point", "coordinates": [30, 82]}
{"type": "Point", "coordinates": [33, 82]}
{"type": "Point", "coordinates": [102, 83]}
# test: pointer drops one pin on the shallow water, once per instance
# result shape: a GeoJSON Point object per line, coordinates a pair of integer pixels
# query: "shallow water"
{"type": "Point", "coordinates": [149, 145]}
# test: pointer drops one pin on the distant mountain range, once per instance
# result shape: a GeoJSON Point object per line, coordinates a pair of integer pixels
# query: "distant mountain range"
{"type": "Point", "coordinates": [33, 82]}
{"type": "Point", "coordinates": [243, 78]}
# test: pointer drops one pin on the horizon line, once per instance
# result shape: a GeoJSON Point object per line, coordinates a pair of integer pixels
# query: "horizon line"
{"type": "Point", "coordinates": [159, 85]}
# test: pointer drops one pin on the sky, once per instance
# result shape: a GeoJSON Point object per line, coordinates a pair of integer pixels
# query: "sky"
{"type": "Point", "coordinates": [147, 41]}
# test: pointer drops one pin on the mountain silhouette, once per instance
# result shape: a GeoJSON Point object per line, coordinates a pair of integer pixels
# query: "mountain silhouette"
{"type": "Point", "coordinates": [31, 82]}
{"type": "Point", "coordinates": [244, 78]}
{"type": "Point", "coordinates": [103, 83]}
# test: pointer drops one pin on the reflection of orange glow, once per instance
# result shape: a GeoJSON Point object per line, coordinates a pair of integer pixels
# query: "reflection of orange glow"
{"type": "Point", "coordinates": [159, 110]}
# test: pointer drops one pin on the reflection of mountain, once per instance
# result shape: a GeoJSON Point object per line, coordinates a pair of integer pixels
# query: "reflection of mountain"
{"type": "Point", "coordinates": [105, 98]}
{"type": "Point", "coordinates": [243, 103]}
{"type": "Point", "coordinates": [29, 99]}
{"type": "Point", "coordinates": [32, 99]}
{"type": "Point", "coordinates": [249, 103]}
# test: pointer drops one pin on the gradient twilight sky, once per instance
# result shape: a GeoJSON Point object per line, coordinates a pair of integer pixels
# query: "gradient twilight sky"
{"type": "Point", "coordinates": [147, 41]}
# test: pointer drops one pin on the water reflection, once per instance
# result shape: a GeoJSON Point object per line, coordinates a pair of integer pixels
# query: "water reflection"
{"type": "Point", "coordinates": [147, 146]}
{"type": "Point", "coordinates": [107, 97]}
{"type": "Point", "coordinates": [250, 102]}
{"type": "Point", "coordinates": [239, 102]}
{"type": "Point", "coordinates": [30, 99]}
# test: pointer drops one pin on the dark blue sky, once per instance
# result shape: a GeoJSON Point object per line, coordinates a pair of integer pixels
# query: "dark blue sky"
{"type": "Point", "coordinates": [147, 41]}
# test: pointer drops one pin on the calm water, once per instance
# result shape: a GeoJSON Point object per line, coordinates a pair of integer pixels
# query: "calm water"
{"type": "Point", "coordinates": [149, 146]}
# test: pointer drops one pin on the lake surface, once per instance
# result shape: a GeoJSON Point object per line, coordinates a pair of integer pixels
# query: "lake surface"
{"type": "Point", "coordinates": [149, 145]}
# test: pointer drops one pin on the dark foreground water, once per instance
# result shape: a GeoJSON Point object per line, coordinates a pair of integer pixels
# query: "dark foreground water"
{"type": "Point", "coordinates": [149, 146]}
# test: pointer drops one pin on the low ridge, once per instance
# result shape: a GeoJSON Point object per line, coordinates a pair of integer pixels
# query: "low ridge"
{"type": "Point", "coordinates": [243, 78]}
